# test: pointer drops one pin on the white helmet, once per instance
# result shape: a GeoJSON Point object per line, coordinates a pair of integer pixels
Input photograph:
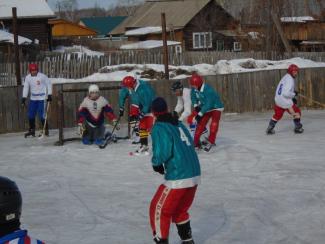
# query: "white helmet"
{"type": "Point", "coordinates": [93, 88]}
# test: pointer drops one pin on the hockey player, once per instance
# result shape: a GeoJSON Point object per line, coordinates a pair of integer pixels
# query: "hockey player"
{"type": "Point", "coordinates": [207, 105]}
{"type": "Point", "coordinates": [184, 104]}
{"type": "Point", "coordinates": [285, 101]}
{"type": "Point", "coordinates": [91, 115]}
{"type": "Point", "coordinates": [10, 212]}
{"type": "Point", "coordinates": [141, 94]}
{"type": "Point", "coordinates": [39, 86]}
{"type": "Point", "coordinates": [173, 156]}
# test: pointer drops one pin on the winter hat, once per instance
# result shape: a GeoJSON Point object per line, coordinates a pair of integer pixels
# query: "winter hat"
{"type": "Point", "coordinates": [159, 106]}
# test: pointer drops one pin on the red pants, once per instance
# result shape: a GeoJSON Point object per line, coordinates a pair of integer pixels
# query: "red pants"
{"type": "Point", "coordinates": [278, 111]}
{"type": "Point", "coordinates": [146, 122]}
{"type": "Point", "coordinates": [214, 126]}
{"type": "Point", "coordinates": [170, 205]}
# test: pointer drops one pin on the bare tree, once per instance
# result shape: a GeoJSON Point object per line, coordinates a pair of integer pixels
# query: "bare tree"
{"type": "Point", "coordinates": [67, 9]}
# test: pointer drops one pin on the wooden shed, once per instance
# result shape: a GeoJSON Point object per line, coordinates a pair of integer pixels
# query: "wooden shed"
{"type": "Point", "coordinates": [197, 24]}
{"type": "Point", "coordinates": [33, 16]}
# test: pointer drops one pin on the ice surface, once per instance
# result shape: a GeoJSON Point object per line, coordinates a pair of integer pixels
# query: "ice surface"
{"type": "Point", "coordinates": [256, 189]}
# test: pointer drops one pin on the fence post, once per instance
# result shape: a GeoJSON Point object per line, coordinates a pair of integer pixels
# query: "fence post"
{"type": "Point", "coordinates": [61, 115]}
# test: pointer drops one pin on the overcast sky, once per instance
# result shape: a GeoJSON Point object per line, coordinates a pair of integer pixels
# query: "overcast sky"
{"type": "Point", "coordinates": [90, 3]}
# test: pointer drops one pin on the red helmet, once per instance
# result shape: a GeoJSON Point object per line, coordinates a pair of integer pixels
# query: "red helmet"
{"type": "Point", "coordinates": [128, 82]}
{"type": "Point", "coordinates": [32, 67]}
{"type": "Point", "coordinates": [293, 68]}
{"type": "Point", "coordinates": [196, 80]}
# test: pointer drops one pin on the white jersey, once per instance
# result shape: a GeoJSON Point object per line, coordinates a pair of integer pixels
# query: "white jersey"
{"type": "Point", "coordinates": [285, 92]}
{"type": "Point", "coordinates": [39, 86]}
{"type": "Point", "coordinates": [184, 104]}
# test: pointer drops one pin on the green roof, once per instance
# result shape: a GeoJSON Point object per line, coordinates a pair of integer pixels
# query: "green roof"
{"type": "Point", "coordinates": [103, 25]}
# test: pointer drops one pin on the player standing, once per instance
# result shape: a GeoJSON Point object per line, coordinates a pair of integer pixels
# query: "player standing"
{"type": "Point", "coordinates": [285, 101]}
{"type": "Point", "coordinates": [173, 156]}
{"type": "Point", "coordinates": [39, 86]}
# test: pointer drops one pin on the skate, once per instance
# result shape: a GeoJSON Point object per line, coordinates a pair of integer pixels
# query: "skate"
{"type": "Point", "coordinates": [143, 150]}
{"type": "Point", "coordinates": [270, 130]}
{"type": "Point", "coordinates": [299, 129]}
{"type": "Point", "coordinates": [30, 132]}
{"type": "Point", "coordinates": [207, 147]}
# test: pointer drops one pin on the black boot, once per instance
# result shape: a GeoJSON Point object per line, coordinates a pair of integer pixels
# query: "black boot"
{"type": "Point", "coordinates": [270, 128]}
{"type": "Point", "coordinates": [185, 233]}
{"type": "Point", "coordinates": [298, 126]}
{"type": "Point", "coordinates": [160, 241]}
{"type": "Point", "coordinates": [31, 130]}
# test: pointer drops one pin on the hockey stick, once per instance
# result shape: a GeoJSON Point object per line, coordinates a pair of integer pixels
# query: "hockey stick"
{"type": "Point", "coordinates": [316, 102]}
{"type": "Point", "coordinates": [102, 146]}
{"type": "Point", "coordinates": [45, 122]}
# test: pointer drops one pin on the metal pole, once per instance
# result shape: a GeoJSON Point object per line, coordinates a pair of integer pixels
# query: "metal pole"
{"type": "Point", "coordinates": [164, 37]}
{"type": "Point", "coordinates": [16, 45]}
{"type": "Point", "coordinates": [61, 115]}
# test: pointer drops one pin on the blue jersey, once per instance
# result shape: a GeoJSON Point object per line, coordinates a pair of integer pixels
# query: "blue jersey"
{"type": "Point", "coordinates": [141, 97]}
{"type": "Point", "coordinates": [19, 237]}
{"type": "Point", "coordinates": [207, 98]}
{"type": "Point", "coordinates": [172, 146]}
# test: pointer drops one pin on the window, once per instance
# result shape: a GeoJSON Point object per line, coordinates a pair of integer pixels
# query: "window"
{"type": "Point", "coordinates": [237, 46]}
{"type": "Point", "coordinates": [202, 40]}
{"type": "Point", "coordinates": [220, 45]}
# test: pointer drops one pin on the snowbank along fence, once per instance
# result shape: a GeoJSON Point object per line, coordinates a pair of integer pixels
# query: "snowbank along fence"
{"type": "Point", "coordinates": [75, 67]}
{"type": "Point", "coordinates": [242, 92]}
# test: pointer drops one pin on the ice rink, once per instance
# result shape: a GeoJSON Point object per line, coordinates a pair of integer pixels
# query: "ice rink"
{"type": "Point", "coordinates": [256, 189]}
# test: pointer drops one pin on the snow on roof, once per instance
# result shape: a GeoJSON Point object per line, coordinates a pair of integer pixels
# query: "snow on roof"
{"type": "Point", "coordinates": [312, 43]}
{"type": "Point", "coordinates": [148, 44]}
{"type": "Point", "coordinates": [299, 19]}
{"type": "Point", "coordinates": [144, 31]}
{"type": "Point", "coordinates": [9, 38]}
{"type": "Point", "coordinates": [77, 49]}
{"type": "Point", "coordinates": [25, 8]}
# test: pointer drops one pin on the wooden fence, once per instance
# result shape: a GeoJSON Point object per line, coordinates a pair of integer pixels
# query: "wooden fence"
{"type": "Point", "coordinates": [74, 67]}
{"type": "Point", "coordinates": [243, 92]}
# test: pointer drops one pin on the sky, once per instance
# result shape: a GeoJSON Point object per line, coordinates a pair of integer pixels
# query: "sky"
{"type": "Point", "coordinates": [89, 4]}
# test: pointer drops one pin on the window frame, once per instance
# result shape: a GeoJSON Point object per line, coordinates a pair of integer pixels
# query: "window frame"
{"type": "Point", "coordinates": [197, 40]}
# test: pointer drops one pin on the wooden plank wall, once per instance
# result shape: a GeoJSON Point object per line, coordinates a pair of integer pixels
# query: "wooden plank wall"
{"type": "Point", "coordinates": [243, 92]}
{"type": "Point", "coordinates": [73, 67]}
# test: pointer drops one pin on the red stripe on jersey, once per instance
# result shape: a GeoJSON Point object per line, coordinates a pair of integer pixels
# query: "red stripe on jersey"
{"type": "Point", "coordinates": [27, 240]}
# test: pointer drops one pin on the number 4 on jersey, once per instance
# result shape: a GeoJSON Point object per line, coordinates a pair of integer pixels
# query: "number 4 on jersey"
{"type": "Point", "coordinates": [184, 137]}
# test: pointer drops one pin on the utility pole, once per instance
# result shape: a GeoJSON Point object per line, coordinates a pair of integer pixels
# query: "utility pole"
{"type": "Point", "coordinates": [16, 45]}
{"type": "Point", "coordinates": [269, 30]}
{"type": "Point", "coordinates": [165, 47]}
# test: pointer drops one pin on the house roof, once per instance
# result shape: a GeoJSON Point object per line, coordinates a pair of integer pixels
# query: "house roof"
{"type": "Point", "coordinates": [232, 33]}
{"type": "Point", "coordinates": [103, 25]}
{"type": "Point", "coordinates": [178, 14]}
{"type": "Point", "coordinates": [63, 27]}
{"type": "Point", "coordinates": [25, 9]}
{"type": "Point", "coordinates": [9, 38]}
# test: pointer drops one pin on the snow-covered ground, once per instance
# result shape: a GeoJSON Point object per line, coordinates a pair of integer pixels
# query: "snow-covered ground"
{"type": "Point", "coordinates": [256, 189]}
{"type": "Point", "coordinates": [77, 50]}
{"type": "Point", "coordinates": [118, 72]}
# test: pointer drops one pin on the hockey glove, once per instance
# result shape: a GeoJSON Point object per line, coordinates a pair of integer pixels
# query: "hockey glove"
{"type": "Point", "coordinates": [81, 129]}
{"type": "Point", "coordinates": [23, 101]}
{"type": "Point", "coordinates": [160, 169]}
{"type": "Point", "coordinates": [121, 112]}
{"type": "Point", "coordinates": [116, 124]}
{"type": "Point", "coordinates": [133, 119]}
{"type": "Point", "coordinates": [198, 118]}
{"type": "Point", "coordinates": [49, 98]}
{"type": "Point", "coordinates": [296, 93]}
{"type": "Point", "coordinates": [197, 109]}
{"type": "Point", "coordinates": [294, 100]}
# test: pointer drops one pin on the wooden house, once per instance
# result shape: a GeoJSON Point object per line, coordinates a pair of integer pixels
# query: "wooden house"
{"type": "Point", "coordinates": [32, 20]}
{"type": "Point", "coordinates": [197, 24]}
{"type": "Point", "coordinates": [65, 29]}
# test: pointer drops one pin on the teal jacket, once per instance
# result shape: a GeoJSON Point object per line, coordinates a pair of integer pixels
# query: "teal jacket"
{"type": "Point", "coordinates": [142, 96]}
{"type": "Point", "coordinates": [172, 146]}
{"type": "Point", "coordinates": [207, 98]}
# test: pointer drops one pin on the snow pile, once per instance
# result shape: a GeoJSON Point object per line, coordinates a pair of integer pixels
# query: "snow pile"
{"type": "Point", "coordinates": [144, 31]}
{"type": "Point", "coordinates": [78, 50]}
{"type": "Point", "coordinates": [156, 71]}
{"type": "Point", "coordinates": [299, 19]}
{"type": "Point", "coordinates": [9, 38]}
{"type": "Point", "coordinates": [148, 44]}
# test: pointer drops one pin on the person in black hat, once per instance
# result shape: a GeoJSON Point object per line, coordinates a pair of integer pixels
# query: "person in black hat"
{"type": "Point", "coordinates": [10, 212]}
{"type": "Point", "coordinates": [173, 156]}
